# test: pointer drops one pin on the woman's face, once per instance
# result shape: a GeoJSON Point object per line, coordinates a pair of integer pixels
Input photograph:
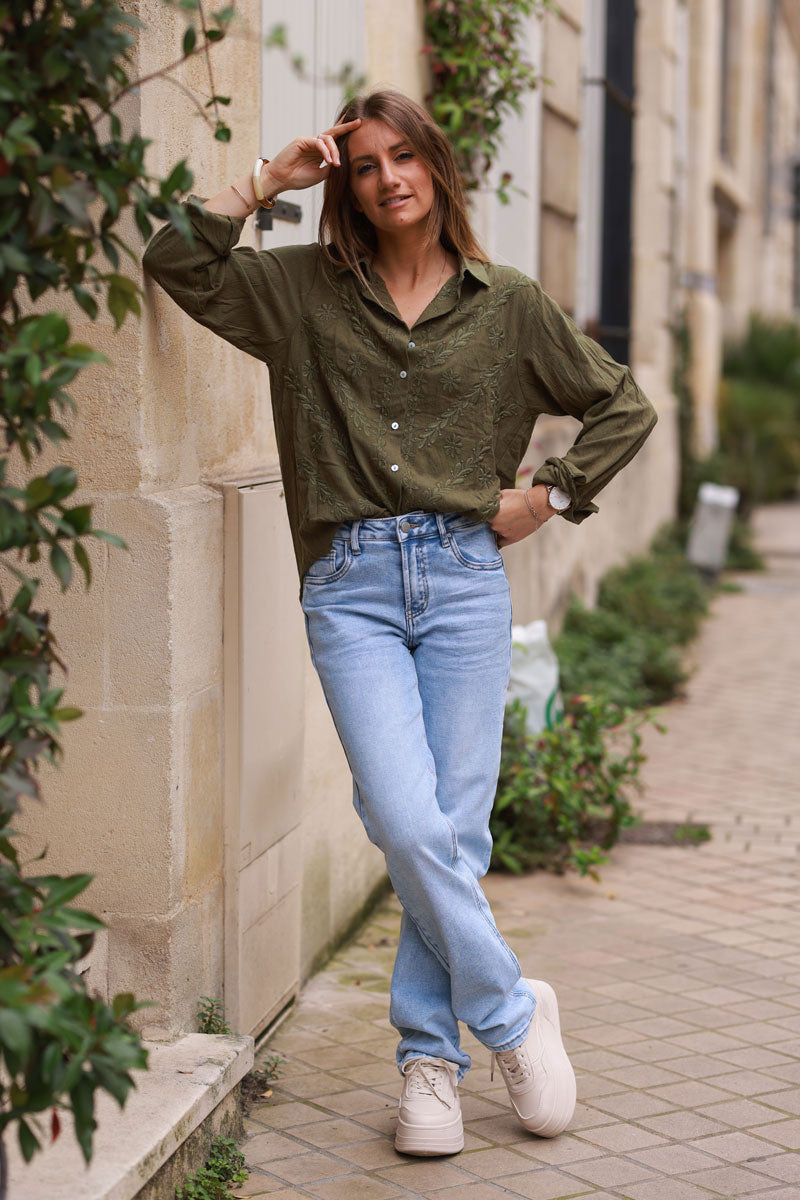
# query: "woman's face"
{"type": "Point", "coordinates": [390, 184]}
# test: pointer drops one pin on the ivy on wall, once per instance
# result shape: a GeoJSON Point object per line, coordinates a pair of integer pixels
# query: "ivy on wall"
{"type": "Point", "coordinates": [479, 74]}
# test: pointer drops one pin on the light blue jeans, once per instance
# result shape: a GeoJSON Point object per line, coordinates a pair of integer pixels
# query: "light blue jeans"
{"type": "Point", "coordinates": [409, 624]}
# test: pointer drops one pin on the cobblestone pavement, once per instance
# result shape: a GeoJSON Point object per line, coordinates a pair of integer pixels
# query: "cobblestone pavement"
{"type": "Point", "coordinates": [678, 975]}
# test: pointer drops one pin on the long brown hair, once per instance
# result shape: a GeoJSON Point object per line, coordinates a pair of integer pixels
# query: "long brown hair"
{"type": "Point", "coordinates": [345, 234]}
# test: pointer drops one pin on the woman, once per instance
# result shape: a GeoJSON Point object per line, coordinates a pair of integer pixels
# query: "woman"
{"type": "Point", "coordinates": [406, 376]}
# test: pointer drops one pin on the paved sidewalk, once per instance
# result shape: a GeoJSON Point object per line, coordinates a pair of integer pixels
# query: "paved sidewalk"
{"type": "Point", "coordinates": [678, 975]}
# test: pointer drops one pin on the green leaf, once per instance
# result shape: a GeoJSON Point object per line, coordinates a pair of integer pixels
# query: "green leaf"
{"type": "Point", "coordinates": [116, 1083]}
{"type": "Point", "coordinates": [67, 713]}
{"type": "Point", "coordinates": [82, 559]}
{"type": "Point", "coordinates": [78, 918]}
{"type": "Point", "coordinates": [51, 1063]}
{"type": "Point", "coordinates": [39, 491]}
{"type": "Point", "coordinates": [189, 40]}
{"type": "Point", "coordinates": [28, 1142]}
{"type": "Point", "coordinates": [61, 566]}
{"type": "Point", "coordinates": [15, 1032]}
{"type": "Point", "coordinates": [123, 1004]}
{"type": "Point", "coordinates": [86, 301]}
{"type": "Point", "coordinates": [112, 538]}
{"type": "Point", "coordinates": [145, 227]}
{"type": "Point", "coordinates": [14, 259]}
{"type": "Point", "coordinates": [122, 298]}
{"type": "Point", "coordinates": [61, 891]}
{"type": "Point", "coordinates": [63, 480]}
{"type": "Point", "coordinates": [33, 369]}
{"type": "Point", "coordinates": [82, 1096]}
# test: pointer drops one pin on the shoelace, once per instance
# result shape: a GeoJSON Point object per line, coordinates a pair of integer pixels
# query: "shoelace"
{"type": "Point", "coordinates": [515, 1067]}
{"type": "Point", "coordinates": [423, 1077]}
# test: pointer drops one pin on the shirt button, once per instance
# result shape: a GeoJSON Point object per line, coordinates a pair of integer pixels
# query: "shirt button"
{"type": "Point", "coordinates": [403, 374]}
{"type": "Point", "coordinates": [411, 345]}
{"type": "Point", "coordinates": [395, 467]}
{"type": "Point", "coordinates": [395, 425]}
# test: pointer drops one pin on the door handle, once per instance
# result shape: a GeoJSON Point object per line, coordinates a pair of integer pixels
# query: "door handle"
{"type": "Point", "coordinates": [282, 211]}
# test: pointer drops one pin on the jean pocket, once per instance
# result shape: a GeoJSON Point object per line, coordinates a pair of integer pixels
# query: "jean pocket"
{"type": "Point", "coordinates": [331, 566]}
{"type": "Point", "coordinates": [475, 546]}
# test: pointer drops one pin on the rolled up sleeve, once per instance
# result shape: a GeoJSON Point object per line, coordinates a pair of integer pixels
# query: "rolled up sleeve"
{"type": "Point", "coordinates": [249, 297]}
{"type": "Point", "coordinates": [564, 372]}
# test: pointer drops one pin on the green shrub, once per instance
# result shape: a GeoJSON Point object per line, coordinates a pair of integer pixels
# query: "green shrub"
{"type": "Point", "coordinates": [224, 1167]}
{"type": "Point", "coordinates": [59, 1043]}
{"type": "Point", "coordinates": [658, 594]}
{"type": "Point", "coordinates": [758, 417]}
{"type": "Point", "coordinates": [769, 351]}
{"type": "Point", "coordinates": [211, 1016]}
{"type": "Point", "coordinates": [759, 441]}
{"type": "Point", "coordinates": [758, 420]}
{"type": "Point", "coordinates": [561, 795]}
{"type": "Point", "coordinates": [742, 554]}
{"type": "Point", "coordinates": [626, 648]}
{"type": "Point", "coordinates": [74, 191]}
{"type": "Point", "coordinates": [599, 653]}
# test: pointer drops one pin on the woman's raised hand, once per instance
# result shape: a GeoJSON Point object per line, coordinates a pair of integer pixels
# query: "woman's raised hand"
{"type": "Point", "coordinates": [305, 161]}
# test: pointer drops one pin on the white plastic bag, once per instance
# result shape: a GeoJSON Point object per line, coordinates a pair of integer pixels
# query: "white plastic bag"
{"type": "Point", "coordinates": [534, 675]}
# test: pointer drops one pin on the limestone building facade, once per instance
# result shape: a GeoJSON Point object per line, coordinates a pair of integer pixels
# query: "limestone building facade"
{"type": "Point", "coordinates": [205, 786]}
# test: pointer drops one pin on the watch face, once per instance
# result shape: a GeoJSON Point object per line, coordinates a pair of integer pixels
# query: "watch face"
{"type": "Point", "coordinates": [558, 500]}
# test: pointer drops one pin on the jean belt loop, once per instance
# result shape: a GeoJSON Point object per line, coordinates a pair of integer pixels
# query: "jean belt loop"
{"type": "Point", "coordinates": [443, 534]}
{"type": "Point", "coordinates": [354, 546]}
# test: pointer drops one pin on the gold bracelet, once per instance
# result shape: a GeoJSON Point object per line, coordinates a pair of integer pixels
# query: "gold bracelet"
{"type": "Point", "coordinates": [239, 194]}
{"type": "Point", "coordinates": [531, 509]}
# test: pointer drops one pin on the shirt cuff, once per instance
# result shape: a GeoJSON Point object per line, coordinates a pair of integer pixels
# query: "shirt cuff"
{"type": "Point", "coordinates": [570, 480]}
{"type": "Point", "coordinates": [220, 231]}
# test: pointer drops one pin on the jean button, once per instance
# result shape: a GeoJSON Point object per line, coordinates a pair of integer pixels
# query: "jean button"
{"type": "Point", "coordinates": [405, 526]}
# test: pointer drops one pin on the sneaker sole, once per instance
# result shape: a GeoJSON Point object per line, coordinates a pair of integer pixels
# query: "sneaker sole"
{"type": "Point", "coordinates": [426, 1142]}
{"type": "Point", "coordinates": [558, 1065]}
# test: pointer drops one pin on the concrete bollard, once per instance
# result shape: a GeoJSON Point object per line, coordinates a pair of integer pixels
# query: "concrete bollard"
{"type": "Point", "coordinates": [710, 528]}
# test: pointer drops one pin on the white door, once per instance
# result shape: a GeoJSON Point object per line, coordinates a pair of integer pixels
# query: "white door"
{"type": "Point", "coordinates": [264, 642]}
{"type": "Point", "coordinates": [328, 34]}
{"type": "Point", "coordinates": [510, 232]}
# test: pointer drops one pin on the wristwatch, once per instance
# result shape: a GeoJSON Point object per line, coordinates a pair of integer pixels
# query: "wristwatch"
{"type": "Point", "coordinates": [556, 498]}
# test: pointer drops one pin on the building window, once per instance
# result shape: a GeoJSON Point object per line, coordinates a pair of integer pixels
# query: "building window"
{"type": "Point", "coordinates": [725, 122]}
{"type": "Point", "coordinates": [615, 280]}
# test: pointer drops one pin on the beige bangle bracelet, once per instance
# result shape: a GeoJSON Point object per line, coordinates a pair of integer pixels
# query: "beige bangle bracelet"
{"type": "Point", "coordinates": [257, 188]}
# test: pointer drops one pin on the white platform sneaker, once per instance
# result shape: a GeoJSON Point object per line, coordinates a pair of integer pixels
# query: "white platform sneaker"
{"type": "Point", "coordinates": [429, 1121]}
{"type": "Point", "coordinates": [538, 1074]}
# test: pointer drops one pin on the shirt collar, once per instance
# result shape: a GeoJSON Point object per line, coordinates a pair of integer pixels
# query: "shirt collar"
{"type": "Point", "coordinates": [474, 266]}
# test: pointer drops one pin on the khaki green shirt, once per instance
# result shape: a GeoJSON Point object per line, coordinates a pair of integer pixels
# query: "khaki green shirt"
{"type": "Point", "coordinates": [373, 419]}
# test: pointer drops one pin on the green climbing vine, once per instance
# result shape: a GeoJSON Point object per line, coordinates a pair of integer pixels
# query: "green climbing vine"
{"type": "Point", "coordinates": [479, 74]}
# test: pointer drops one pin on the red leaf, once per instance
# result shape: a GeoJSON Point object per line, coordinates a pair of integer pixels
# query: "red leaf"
{"type": "Point", "coordinates": [55, 1125]}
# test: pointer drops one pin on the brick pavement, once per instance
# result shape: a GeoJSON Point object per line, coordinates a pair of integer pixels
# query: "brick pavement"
{"type": "Point", "coordinates": [678, 975]}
